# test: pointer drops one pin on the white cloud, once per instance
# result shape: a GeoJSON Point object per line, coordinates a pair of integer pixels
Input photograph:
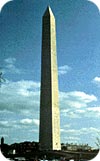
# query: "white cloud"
{"type": "Point", "coordinates": [82, 96]}
{"type": "Point", "coordinates": [72, 139]}
{"type": "Point", "coordinates": [88, 112]}
{"type": "Point", "coordinates": [23, 97]}
{"type": "Point", "coordinates": [4, 123]}
{"type": "Point", "coordinates": [75, 104]}
{"type": "Point", "coordinates": [19, 123]}
{"type": "Point", "coordinates": [15, 104]}
{"type": "Point", "coordinates": [96, 80]}
{"type": "Point", "coordinates": [36, 122]}
{"type": "Point", "coordinates": [10, 60]}
{"type": "Point", "coordinates": [92, 129]}
{"type": "Point", "coordinates": [94, 109]}
{"type": "Point", "coordinates": [4, 135]}
{"type": "Point", "coordinates": [67, 126]}
{"type": "Point", "coordinates": [92, 112]}
{"type": "Point", "coordinates": [79, 95]}
{"type": "Point", "coordinates": [29, 121]}
{"type": "Point", "coordinates": [80, 111]}
{"type": "Point", "coordinates": [62, 130]}
{"type": "Point", "coordinates": [72, 114]}
{"type": "Point", "coordinates": [7, 124]}
{"type": "Point", "coordinates": [10, 66]}
{"type": "Point", "coordinates": [63, 69]}
{"type": "Point", "coordinates": [64, 110]}
{"type": "Point", "coordinates": [76, 99]}
{"type": "Point", "coordinates": [20, 96]}
{"type": "Point", "coordinates": [26, 121]}
{"type": "Point", "coordinates": [81, 131]}
{"type": "Point", "coordinates": [10, 125]}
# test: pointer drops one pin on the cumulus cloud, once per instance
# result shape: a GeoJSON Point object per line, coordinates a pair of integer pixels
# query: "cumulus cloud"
{"type": "Point", "coordinates": [92, 112]}
{"type": "Point", "coordinates": [79, 133]}
{"type": "Point", "coordinates": [8, 124]}
{"type": "Point", "coordinates": [78, 104]}
{"type": "Point", "coordinates": [14, 130]}
{"type": "Point", "coordinates": [10, 66]}
{"type": "Point", "coordinates": [79, 111]}
{"type": "Point", "coordinates": [21, 100]}
{"type": "Point", "coordinates": [10, 60]}
{"type": "Point", "coordinates": [19, 109]}
{"type": "Point", "coordinates": [24, 96]}
{"type": "Point", "coordinates": [87, 113]}
{"type": "Point", "coordinates": [28, 121]}
{"type": "Point", "coordinates": [94, 109]}
{"type": "Point", "coordinates": [21, 96]}
{"type": "Point", "coordinates": [78, 95]}
{"type": "Point", "coordinates": [76, 99]}
{"type": "Point", "coordinates": [4, 124]}
{"type": "Point", "coordinates": [19, 123]}
{"type": "Point", "coordinates": [82, 96]}
{"type": "Point", "coordinates": [96, 80]}
{"type": "Point", "coordinates": [63, 69]}
{"type": "Point", "coordinates": [72, 139]}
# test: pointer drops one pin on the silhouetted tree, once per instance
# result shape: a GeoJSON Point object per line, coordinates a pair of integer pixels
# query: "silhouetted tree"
{"type": "Point", "coordinates": [1, 77]}
{"type": "Point", "coordinates": [97, 142]}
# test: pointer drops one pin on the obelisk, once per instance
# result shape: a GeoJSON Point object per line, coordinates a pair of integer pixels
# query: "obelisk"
{"type": "Point", "coordinates": [49, 134]}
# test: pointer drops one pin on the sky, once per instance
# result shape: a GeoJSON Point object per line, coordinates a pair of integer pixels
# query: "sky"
{"type": "Point", "coordinates": [78, 55]}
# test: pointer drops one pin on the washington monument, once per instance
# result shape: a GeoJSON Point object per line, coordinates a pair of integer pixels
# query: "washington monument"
{"type": "Point", "coordinates": [49, 134]}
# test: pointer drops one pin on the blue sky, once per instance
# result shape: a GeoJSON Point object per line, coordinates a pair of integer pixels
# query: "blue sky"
{"type": "Point", "coordinates": [78, 54]}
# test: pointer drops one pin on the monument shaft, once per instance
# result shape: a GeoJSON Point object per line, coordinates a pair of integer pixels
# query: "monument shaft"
{"type": "Point", "coordinates": [49, 136]}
